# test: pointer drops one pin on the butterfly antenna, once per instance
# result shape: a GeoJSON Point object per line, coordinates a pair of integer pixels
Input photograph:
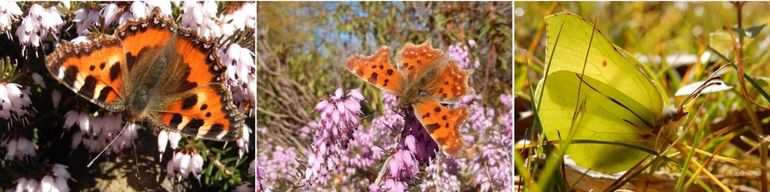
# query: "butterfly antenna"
{"type": "Point", "coordinates": [108, 145]}
{"type": "Point", "coordinates": [714, 80]}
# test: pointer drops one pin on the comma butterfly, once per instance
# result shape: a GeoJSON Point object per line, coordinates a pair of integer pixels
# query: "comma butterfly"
{"type": "Point", "coordinates": [154, 73]}
{"type": "Point", "coordinates": [425, 78]}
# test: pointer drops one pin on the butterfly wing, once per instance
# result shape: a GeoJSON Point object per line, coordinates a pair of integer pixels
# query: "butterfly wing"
{"type": "Point", "coordinates": [92, 70]}
{"type": "Point", "coordinates": [616, 102]}
{"type": "Point", "coordinates": [450, 84]}
{"type": "Point", "coordinates": [416, 59]}
{"type": "Point", "coordinates": [191, 96]}
{"type": "Point", "coordinates": [442, 123]}
{"type": "Point", "coordinates": [377, 70]}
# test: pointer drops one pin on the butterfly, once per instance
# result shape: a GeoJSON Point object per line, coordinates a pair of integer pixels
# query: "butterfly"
{"type": "Point", "coordinates": [155, 74]}
{"type": "Point", "coordinates": [594, 91]}
{"type": "Point", "coordinates": [425, 78]}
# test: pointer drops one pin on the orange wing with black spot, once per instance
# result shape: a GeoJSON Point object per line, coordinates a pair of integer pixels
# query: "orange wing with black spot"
{"type": "Point", "coordinates": [451, 83]}
{"type": "Point", "coordinates": [416, 59]}
{"type": "Point", "coordinates": [442, 123]}
{"type": "Point", "coordinates": [92, 70]}
{"type": "Point", "coordinates": [377, 70]}
{"type": "Point", "coordinates": [199, 103]}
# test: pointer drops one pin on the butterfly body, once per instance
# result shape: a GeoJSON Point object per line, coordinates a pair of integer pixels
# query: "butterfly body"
{"type": "Point", "coordinates": [154, 74]}
{"type": "Point", "coordinates": [425, 78]}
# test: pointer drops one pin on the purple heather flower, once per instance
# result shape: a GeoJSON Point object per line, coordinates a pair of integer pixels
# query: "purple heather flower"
{"type": "Point", "coordinates": [441, 175]}
{"type": "Point", "coordinates": [282, 163]}
{"type": "Point", "coordinates": [491, 167]}
{"type": "Point", "coordinates": [460, 53]}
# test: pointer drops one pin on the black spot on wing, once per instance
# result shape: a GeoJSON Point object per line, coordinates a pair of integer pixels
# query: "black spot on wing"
{"type": "Point", "coordinates": [189, 102]}
{"type": "Point", "coordinates": [114, 71]}
{"type": "Point", "coordinates": [214, 130]}
{"type": "Point", "coordinates": [70, 74]}
{"type": "Point", "coordinates": [88, 86]}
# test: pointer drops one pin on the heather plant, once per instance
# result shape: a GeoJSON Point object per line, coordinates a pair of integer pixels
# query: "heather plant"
{"type": "Point", "coordinates": [48, 134]}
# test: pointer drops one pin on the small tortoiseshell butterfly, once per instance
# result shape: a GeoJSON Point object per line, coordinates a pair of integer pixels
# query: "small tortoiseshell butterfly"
{"type": "Point", "coordinates": [155, 74]}
{"type": "Point", "coordinates": [425, 77]}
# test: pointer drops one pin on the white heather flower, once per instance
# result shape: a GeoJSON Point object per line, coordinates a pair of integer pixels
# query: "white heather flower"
{"type": "Point", "coordinates": [47, 183]}
{"type": "Point", "coordinates": [241, 71]}
{"type": "Point", "coordinates": [70, 118]}
{"type": "Point", "coordinates": [201, 17]}
{"type": "Point", "coordinates": [38, 79]}
{"type": "Point", "coordinates": [162, 142]}
{"type": "Point", "coordinates": [173, 139]}
{"type": "Point", "coordinates": [84, 121]}
{"type": "Point", "coordinates": [196, 165]}
{"type": "Point", "coordinates": [85, 18]}
{"type": "Point", "coordinates": [26, 184]}
{"type": "Point", "coordinates": [109, 12]}
{"type": "Point", "coordinates": [139, 9]}
{"type": "Point", "coordinates": [76, 139]}
{"type": "Point", "coordinates": [19, 148]}
{"type": "Point", "coordinates": [55, 98]}
{"type": "Point", "coordinates": [243, 142]}
{"type": "Point", "coordinates": [37, 25]}
{"type": "Point", "coordinates": [9, 11]}
{"type": "Point", "coordinates": [184, 163]}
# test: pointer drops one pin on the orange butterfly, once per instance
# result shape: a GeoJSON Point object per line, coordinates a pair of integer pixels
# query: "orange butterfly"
{"type": "Point", "coordinates": [154, 73]}
{"type": "Point", "coordinates": [425, 78]}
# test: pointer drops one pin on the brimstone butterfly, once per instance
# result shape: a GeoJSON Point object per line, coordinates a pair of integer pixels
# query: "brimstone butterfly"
{"type": "Point", "coordinates": [592, 91]}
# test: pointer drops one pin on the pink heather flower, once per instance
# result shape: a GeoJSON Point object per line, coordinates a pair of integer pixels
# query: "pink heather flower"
{"type": "Point", "coordinates": [85, 18]}
{"type": "Point", "coordinates": [201, 17]}
{"type": "Point", "coordinates": [243, 142]}
{"type": "Point", "coordinates": [184, 163]}
{"type": "Point", "coordinates": [339, 119]}
{"type": "Point", "coordinates": [9, 12]}
{"type": "Point", "coordinates": [19, 148]}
